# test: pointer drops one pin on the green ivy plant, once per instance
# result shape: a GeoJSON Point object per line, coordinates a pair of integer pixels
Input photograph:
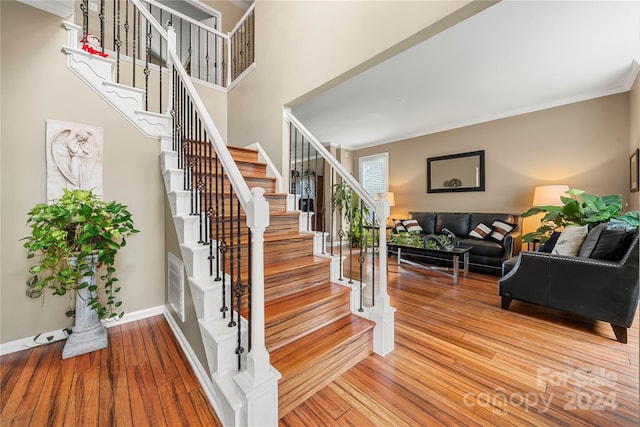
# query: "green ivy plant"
{"type": "Point", "coordinates": [579, 208]}
{"type": "Point", "coordinates": [73, 227]}
{"type": "Point", "coordinates": [406, 238]}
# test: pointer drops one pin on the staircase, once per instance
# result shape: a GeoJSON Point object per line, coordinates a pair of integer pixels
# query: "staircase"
{"type": "Point", "coordinates": [309, 329]}
{"type": "Point", "coordinates": [310, 332]}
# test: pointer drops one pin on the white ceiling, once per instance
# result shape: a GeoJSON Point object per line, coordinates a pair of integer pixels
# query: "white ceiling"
{"type": "Point", "coordinates": [512, 58]}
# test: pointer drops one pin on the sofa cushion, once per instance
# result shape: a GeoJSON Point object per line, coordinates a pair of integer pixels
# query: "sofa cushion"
{"type": "Point", "coordinates": [427, 221]}
{"type": "Point", "coordinates": [570, 240]}
{"type": "Point", "coordinates": [480, 231]}
{"type": "Point", "coordinates": [604, 242]}
{"type": "Point", "coordinates": [501, 229]}
{"type": "Point", "coordinates": [487, 248]}
{"type": "Point", "coordinates": [457, 223]}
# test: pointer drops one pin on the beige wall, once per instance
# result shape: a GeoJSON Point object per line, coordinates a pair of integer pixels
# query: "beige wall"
{"type": "Point", "coordinates": [634, 133]}
{"type": "Point", "coordinates": [231, 13]}
{"type": "Point", "coordinates": [302, 46]}
{"type": "Point", "coordinates": [584, 145]}
{"type": "Point", "coordinates": [37, 86]}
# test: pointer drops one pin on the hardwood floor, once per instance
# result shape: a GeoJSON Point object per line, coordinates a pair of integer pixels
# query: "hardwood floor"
{"type": "Point", "coordinates": [141, 379]}
{"type": "Point", "coordinates": [462, 360]}
{"type": "Point", "coordinates": [459, 360]}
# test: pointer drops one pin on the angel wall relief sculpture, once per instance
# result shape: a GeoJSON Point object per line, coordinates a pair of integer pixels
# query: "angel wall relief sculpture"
{"type": "Point", "coordinates": [74, 158]}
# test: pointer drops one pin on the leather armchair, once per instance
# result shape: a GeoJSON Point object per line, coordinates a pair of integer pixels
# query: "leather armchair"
{"type": "Point", "coordinates": [592, 288]}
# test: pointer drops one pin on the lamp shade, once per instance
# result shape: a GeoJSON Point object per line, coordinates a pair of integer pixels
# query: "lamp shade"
{"type": "Point", "coordinates": [549, 195]}
{"type": "Point", "coordinates": [390, 198]}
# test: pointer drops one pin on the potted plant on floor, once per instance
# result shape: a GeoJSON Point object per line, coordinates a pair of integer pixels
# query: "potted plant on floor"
{"type": "Point", "coordinates": [76, 239]}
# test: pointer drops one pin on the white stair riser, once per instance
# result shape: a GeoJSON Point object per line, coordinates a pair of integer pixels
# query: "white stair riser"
{"type": "Point", "coordinates": [168, 159]}
{"type": "Point", "coordinates": [187, 228]}
{"type": "Point", "coordinates": [207, 298]}
{"type": "Point", "coordinates": [173, 179]}
{"type": "Point", "coordinates": [195, 258]}
{"type": "Point", "coordinates": [180, 202]}
{"type": "Point", "coordinates": [220, 342]}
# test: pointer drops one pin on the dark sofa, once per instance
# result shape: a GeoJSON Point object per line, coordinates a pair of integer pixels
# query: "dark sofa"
{"type": "Point", "coordinates": [602, 288]}
{"type": "Point", "coordinates": [486, 255]}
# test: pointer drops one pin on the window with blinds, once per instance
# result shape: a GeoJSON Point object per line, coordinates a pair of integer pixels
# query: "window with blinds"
{"type": "Point", "coordinates": [374, 173]}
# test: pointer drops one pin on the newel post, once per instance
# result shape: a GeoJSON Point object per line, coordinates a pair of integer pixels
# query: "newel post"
{"type": "Point", "coordinates": [259, 381]}
{"type": "Point", "coordinates": [382, 313]}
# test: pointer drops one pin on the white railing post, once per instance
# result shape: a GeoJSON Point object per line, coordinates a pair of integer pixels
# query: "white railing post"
{"type": "Point", "coordinates": [259, 381]}
{"type": "Point", "coordinates": [228, 42]}
{"type": "Point", "coordinates": [382, 313]}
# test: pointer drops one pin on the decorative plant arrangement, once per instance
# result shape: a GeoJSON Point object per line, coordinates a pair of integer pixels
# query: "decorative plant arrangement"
{"type": "Point", "coordinates": [75, 237]}
{"type": "Point", "coordinates": [405, 238]}
{"type": "Point", "coordinates": [579, 209]}
{"type": "Point", "coordinates": [348, 202]}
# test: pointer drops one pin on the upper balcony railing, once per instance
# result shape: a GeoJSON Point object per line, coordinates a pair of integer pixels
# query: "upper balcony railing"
{"type": "Point", "coordinates": [139, 48]}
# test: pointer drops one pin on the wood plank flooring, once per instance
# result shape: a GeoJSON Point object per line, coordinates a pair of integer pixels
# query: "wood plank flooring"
{"type": "Point", "coordinates": [462, 360]}
{"type": "Point", "coordinates": [459, 360]}
{"type": "Point", "coordinates": [141, 379]}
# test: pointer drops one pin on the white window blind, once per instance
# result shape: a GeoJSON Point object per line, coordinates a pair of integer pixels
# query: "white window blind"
{"type": "Point", "coordinates": [374, 175]}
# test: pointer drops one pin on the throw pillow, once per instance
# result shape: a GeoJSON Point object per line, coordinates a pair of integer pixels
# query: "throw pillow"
{"type": "Point", "coordinates": [412, 226]}
{"type": "Point", "coordinates": [501, 229]}
{"type": "Point", "coordinates": [604, 242]}
{"type": "Point", "coordinates": [397, 226]}
{"type": "Point", "coordinates": [481, 231]}
{"type": "Point", "coordinates": [570, 240]}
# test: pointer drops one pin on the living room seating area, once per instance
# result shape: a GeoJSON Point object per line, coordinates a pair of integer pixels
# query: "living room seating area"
{"type": "Point", "coordinates": [492, 237]}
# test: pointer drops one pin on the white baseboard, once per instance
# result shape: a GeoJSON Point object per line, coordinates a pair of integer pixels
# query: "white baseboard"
{"type": "Point", "coordinates": [53, 336]}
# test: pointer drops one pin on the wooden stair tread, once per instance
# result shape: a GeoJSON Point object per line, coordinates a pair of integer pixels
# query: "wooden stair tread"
{"type": "Point", "coordinates": [301, 262]}
{"type": "Point", "coordinates": [301, 301]}
{"type": "Point", "coordinates": [297, 355]}
{"type": "Point", "coordinates": [286, 235]}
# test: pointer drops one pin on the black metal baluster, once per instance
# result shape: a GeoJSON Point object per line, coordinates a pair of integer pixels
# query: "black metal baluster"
{"type": "Point", "coordinates": [315, 194]}
{"type": "Point", "coordinates": [136, 36]}
{"type": "Point", "coordinates": [239, 290]}
{"type": "Point", "coordinates": [351, 235]}
{"type": "Point", "coordinates": [84, 7]}
{"type": "Point", "coordinates": [117, 41]}
{"type": "Point", "coordinates": [146, 66]}
{"type": "Point", "coordinates": [249, 283]}
{"type": "Point", "coordinates": [373, 260]}
{"type": "Point", "coordinates": [232, 249]}
{"type": "Point", "coordinates": [223, 246]}
{"type": "Point", "coordinates": [333, 210]}
{"type": "Point", "coordinates": [160, 59]}
{"type": "Point", "coordinates": [126, 28]}
{"type": "Point", "coordinates": [218, 189]}
{"type": "Point", "coordinates": [361, 255]}
{"type": "Point", "coordinates": [340, 235]}
{"type": "Point", "coordinates": [101, 17]}
{"type": "Point", "coordinates": [206, 57]}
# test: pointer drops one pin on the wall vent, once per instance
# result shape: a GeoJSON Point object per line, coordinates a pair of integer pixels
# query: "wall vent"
{"type": "Point", "coordinates": [175, 275]}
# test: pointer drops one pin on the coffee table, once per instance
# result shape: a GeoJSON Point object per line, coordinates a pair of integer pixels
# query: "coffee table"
{"type": "Point", "coordinates": [452, 254]}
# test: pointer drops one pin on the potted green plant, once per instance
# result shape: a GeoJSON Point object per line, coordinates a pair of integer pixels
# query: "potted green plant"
{"type": "Point", "coordinates": [579, 208]}
{"type": "Point", "coordinates": [354, 213]}
{"type": "Point", "coordinates": [76, 238]}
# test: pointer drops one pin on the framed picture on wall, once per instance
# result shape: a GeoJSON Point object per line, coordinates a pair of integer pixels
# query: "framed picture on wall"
{"type": "Point", "coordinates": [633, 171]}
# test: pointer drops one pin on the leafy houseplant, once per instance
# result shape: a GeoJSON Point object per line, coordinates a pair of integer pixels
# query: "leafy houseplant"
{"type": "Point", "coordinates": [72, 235]}
{"type": "Point", "coordinates": [353, 211]}
{"type": "Point", "coordinates": [579, 209]}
